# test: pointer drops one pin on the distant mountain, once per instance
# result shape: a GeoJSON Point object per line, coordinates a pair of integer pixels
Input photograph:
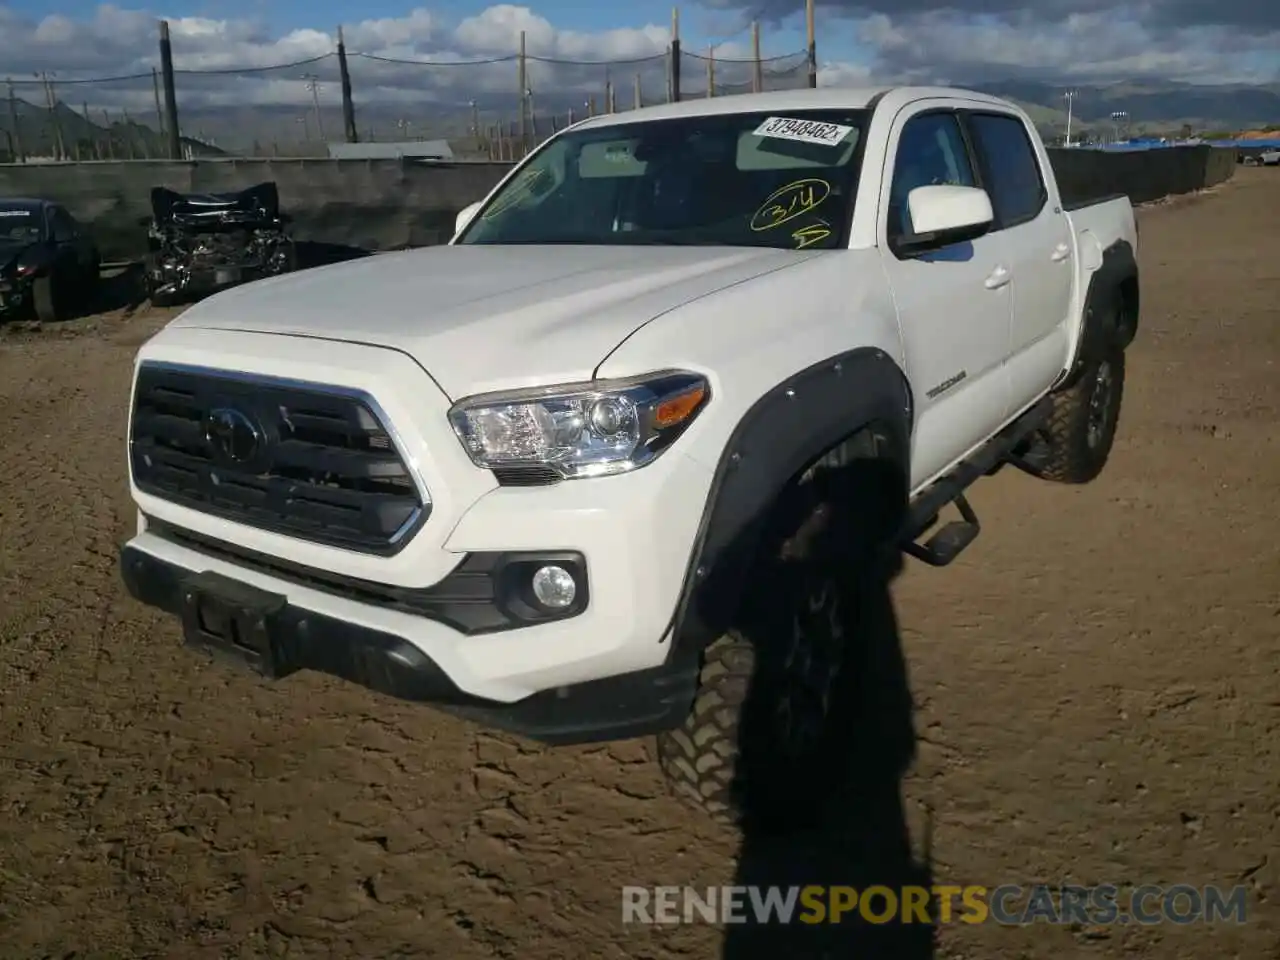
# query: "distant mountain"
{"type": "Point", "coordinates": [1151, 107]}
{"type": "Point", "coordinates": [71, 134]}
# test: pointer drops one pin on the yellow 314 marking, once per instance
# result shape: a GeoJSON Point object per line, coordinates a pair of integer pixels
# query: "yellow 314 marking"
{"type": "Point", "coordinates": [786, 203]}
{"type": "Point", "coordinates": [808, 236]}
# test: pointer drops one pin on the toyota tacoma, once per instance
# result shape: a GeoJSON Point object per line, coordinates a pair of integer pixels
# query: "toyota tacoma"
{"type": "Point", "coordinates": [600, 466]}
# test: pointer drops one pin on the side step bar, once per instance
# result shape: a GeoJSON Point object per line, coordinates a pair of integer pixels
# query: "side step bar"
{"type": "Point", "coordinates": [948, 543]}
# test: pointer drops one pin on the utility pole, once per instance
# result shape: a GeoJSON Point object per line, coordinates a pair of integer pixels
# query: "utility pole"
{"type": "Point", "coordinates": [18, 153]}
{"type": "Point", "coordinates": [109, 149]}
{"type": "Point", "coordinates": [757, 67]}
{"type": "Point", "coordinates": [313, 84]}
{"type": "Point", "coordinates": [637, 100]}
{"type": "Point", "coordinates": [711, 71]}
{"type": "Point", "coordinates": [155, 87]}
{"type": "Point", "coordinates": [673, 78]}
{"type": "Point", "coordinates": [1070, 97]}
{"type": "Point", "coordinates": [348, 102]}
{"type": "Point", "coordinates": [522, 78]}
{"type": "Point", "coordinates": [1120, 119]}
{"type": "Point", "coordinates": [64, 152]}
{"type": "Point", "coordinates": [93, 146]}
{"type": "Point", "coordinates": [170, 94]}
{"type": "Point", "coordinates": [813, 45]}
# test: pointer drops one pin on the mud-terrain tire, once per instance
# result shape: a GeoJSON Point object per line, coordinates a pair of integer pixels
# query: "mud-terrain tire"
{"type": "Point", "coordinates": [735, 756]}
{"type": "Point", "coordinates": [46, 301]}
{"type": "Point", "coordinates": [1075, 444]}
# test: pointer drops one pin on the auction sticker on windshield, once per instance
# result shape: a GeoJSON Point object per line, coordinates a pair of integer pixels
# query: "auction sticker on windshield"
{"type": "Point", "coordinates": [805, 131]}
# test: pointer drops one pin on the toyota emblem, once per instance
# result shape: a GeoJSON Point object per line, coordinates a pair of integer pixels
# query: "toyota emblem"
{"type": "Point", "coordinates": [233, 435]}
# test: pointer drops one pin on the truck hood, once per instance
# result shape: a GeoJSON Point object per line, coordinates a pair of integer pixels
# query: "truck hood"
{"type": "Point", "coordinates": [481, 318]}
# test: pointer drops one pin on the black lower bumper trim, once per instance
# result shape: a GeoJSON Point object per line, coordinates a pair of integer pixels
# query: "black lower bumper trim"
{"type": "Point", "coordinates": [290, 639]}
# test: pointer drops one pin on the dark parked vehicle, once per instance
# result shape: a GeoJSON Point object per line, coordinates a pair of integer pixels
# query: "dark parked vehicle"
{"type": "Point", "coordinates": [199, 243]}
{"type": "Point", "coordinates": [48, 263]}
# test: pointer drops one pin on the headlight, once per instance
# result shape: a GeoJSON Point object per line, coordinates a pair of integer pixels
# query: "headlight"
{"type": "Point", "coordinates": [581, 429]}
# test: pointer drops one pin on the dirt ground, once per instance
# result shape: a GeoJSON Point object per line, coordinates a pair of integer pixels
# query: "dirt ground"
{"type": "Point", "coordinates": [1095, 687]}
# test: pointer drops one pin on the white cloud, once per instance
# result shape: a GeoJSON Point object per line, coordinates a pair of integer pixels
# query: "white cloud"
{"type": "Point", "coordinates": [1100, 46]}
{"type": "Point", "coordinates": [941, 45]}
{"type": "Point", "coordinates": [448, 62]}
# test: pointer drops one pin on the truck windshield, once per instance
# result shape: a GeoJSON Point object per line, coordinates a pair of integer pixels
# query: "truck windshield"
{"type": "Point", "coordinates": [740, 179]}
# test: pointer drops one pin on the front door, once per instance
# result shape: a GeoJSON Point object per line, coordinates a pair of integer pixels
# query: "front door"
{"type": "Point", "coordinates": [954, 304]}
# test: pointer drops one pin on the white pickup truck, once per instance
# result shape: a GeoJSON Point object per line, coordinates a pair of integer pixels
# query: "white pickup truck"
{"type": "Point", "coordinates": [593, 469]}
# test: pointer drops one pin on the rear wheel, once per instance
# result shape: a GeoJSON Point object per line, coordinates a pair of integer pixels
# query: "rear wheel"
{"type": "Point", "coordinates": [1075, 444]}
{"type": "Point", "coordinates": [768, 730]}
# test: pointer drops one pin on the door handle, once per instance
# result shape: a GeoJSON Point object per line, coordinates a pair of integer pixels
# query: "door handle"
{"type": "Point", "coordinates": [999, 277]}
{"type": "Point", "coordinates": [1060, 252]}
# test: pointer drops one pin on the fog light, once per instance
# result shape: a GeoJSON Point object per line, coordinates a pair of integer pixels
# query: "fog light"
{"type": "Point", "coordinates": [554, 587]}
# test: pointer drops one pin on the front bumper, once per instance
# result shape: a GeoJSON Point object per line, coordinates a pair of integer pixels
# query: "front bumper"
{"type": "Point", "coordinates": [199, 279]}
{"type": "Point", "coordinates": [290, 637]}
{"type": "Point", "coordinates": [633, 532]}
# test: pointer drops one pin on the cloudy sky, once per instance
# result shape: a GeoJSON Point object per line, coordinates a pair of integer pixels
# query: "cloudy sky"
{"type": "Point", "coordinates": [954, 41]}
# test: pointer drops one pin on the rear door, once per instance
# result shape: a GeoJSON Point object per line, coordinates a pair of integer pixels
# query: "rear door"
{"type": "Point", "coordinates": [1038, 237]}
{"type": "Point", "coordinates": [953, 304]}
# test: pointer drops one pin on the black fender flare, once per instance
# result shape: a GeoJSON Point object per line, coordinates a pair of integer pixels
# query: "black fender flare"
{"type": "Point", "coordinates": [781, 435]}
{"type": "Point", "coordinates": [1111, 306]}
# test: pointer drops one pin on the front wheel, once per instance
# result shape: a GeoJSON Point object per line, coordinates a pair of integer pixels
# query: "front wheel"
{"type": "Point", "coordinates": [770, 733]}
{"type": "Point", "coordinates": [46, 300]}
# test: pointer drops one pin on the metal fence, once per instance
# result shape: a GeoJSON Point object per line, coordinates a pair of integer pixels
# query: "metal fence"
{"type": "Point", "coordinates": [497, 107]}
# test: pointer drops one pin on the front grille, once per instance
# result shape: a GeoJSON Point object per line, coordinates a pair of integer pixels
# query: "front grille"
{"type": "Point", "coordinates": [293, 458]}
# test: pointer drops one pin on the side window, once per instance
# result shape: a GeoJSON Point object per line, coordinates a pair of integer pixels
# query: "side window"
{"type": "Point", "coordinates": [931, 150]}
{"type": "Point", "coordinates": [1011, 169]}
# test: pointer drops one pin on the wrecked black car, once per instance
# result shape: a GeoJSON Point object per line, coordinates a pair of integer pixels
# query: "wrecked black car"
{"type": "Point", "coordinates": [200, 243]}
{"type": "Point", "coordinates": [48, 263]}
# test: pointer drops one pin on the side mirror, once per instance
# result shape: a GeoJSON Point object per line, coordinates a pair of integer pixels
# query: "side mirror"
{"type": "Point", "coordinates": [942, 215]}
{"type": "Point", "coordinates": [464, 217]}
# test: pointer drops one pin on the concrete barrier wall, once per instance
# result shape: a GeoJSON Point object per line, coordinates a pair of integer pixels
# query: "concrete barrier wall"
{"type": "Point", "coordinates": [363, 204]}
{"type": "Point", "coordinates": [388, 204]}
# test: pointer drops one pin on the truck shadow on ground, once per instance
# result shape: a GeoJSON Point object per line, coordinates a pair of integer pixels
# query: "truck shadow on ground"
{"type": "Point", "coordinates": [859, 835]}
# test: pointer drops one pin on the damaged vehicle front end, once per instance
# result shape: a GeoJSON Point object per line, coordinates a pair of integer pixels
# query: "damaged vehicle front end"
{"type": "Point", "coordinates": [201, 243]}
